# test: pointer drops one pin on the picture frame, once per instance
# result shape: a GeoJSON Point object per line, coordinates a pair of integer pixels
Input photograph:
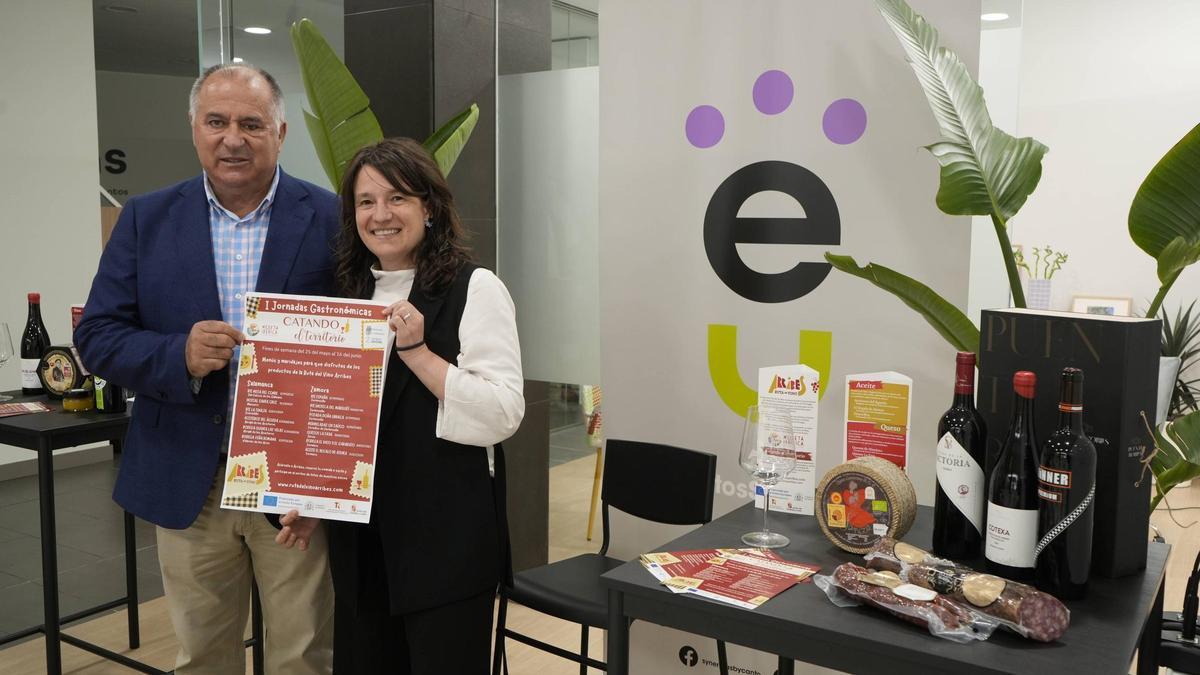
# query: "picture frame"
{"type": "Point", "coordinates": [1102, 305]}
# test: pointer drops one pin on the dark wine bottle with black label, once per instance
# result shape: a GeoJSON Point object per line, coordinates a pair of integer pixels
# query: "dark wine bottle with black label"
{"type": "Point", "coordinates": [34, 341]}
{"type": "Point", "coordinates": [1066, 492]}
{"type": "Point", "coordinates": [1012, 515]}
{"type": "Point", "coordinates": [961, 491]}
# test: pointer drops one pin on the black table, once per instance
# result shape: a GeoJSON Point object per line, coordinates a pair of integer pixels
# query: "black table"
{"type": "Point", "coordinates": [44, 433]}
{"type": "Point", "coordinates": [802, 624]}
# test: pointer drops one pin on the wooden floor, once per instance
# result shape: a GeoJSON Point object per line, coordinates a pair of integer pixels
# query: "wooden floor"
{"type": "Point", "coordinates": [570, 487]}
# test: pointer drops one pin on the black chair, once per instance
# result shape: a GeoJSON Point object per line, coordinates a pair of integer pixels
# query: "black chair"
{"type": "Point", "coordinates": [655, 482]}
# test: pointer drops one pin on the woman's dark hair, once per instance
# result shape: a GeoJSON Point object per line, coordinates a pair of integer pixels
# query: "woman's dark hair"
{"type": "Point", "coordinates": [410, 169]}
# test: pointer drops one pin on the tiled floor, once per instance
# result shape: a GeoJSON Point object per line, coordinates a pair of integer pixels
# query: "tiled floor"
{"type": "Point", "coordinates": [91, 553]}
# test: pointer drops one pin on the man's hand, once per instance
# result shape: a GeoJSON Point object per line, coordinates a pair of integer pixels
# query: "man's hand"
{"type": "Point", "coordinates": [297, 530]}
{"type": "Point", "coordinates": [210, 346]}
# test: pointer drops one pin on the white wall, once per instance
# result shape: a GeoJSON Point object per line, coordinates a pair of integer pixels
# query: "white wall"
{"type": "Point", "coordinates": [145, 117]}
{"type": "Point", "coordinates": [49, 177]}
{"type": "Point", "coordinates": [1109, 86]}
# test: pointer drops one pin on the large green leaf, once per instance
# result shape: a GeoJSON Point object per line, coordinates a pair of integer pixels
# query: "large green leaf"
{"type": "Point", "coordinates": [1164, 218]}
{"type": "Point", "coordinates": [1167, 205]}
{"type": "Point", "coordinates": [946, 319]}
{"type": "Point", "coordinates": [447, 143]}
{"type": "Point", "coordinates": [337, 102]}
{"type": "Point", "coordinates": [1178, 456]}
{"type": "Point", "coordinates": [984, 170]}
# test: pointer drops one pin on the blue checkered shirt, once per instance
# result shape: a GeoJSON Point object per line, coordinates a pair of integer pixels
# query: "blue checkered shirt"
{"type": "Point", "coordinates": [237, 254]}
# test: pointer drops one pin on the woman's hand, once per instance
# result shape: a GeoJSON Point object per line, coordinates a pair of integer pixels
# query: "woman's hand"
{"type": "Point", "coordinates": [406, 322]}
{"type": "Point", "coordinates": [297, 530]}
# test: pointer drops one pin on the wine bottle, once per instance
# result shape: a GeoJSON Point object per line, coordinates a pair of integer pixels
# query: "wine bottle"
{"type": "Point", "coordinates": [960, 495]}
{"type": "Point", "coordinates": [1066, 490]}
{"type": "Point", "coordinates": [1012, 514]}
{"type": "Point", "coordinates": [34, 341]}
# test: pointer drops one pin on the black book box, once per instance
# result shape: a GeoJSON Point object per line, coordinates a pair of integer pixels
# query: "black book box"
{"type": "Point", "coordinates": [1119, 357]}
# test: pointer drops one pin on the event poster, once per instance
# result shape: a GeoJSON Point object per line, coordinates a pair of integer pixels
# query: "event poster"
{"type": "Point", "coordinates": [789, 394]}
{"type": "Point", "coordinates": [306, 407]}
{"type": "Point", "coordinates": [878, 406]}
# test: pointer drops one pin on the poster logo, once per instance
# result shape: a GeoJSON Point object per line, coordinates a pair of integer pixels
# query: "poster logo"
{"type": "Point", "coordinates": [844, 121]}
{"type": "Point", "coordinates": [688, 656]}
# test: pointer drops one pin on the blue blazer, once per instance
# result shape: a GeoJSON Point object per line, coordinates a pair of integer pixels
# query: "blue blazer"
{"type": "Point", "coordinates": [156, 279]}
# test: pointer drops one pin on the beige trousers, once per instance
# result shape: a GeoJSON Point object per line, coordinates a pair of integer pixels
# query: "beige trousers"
{"type": "Point", "coordinates": [207, 571]}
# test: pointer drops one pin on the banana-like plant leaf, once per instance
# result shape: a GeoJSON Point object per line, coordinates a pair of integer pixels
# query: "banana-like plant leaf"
{"type": "Point", "coordinates": [316, 131]}
{"type": "Point", "coordinates": [346, 120]}
{"type": "Point", "coordinates": [1174, 257]}
{"type": "Point", "coordinates": [1167, 205]}
{"type": "Point", "coordinates": [1178, 454]}
{"type": "Point", "coordinates": [984, 170]}
{"type": "Point", "coordinates": [948, 320]}
{"type": "Point", "coordinates": [447, 143]}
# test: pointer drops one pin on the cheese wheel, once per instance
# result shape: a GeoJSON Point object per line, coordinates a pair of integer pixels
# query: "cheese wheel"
{"type": "Point", "coordinates": [865, 499]}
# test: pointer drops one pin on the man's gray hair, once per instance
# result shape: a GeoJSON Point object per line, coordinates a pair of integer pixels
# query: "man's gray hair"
{"type": "Point", "coordinates": [238, 69]}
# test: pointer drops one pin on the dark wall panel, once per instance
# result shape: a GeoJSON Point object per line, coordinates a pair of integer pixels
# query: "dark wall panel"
{"type": "Point", "coordinates": [388, 51]}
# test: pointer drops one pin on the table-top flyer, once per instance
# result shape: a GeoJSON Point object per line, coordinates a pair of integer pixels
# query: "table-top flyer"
{"type": "Point", "coordinates": [878, 408]}
{"type": "Point", "coordinates": [738, 578]}
{"type": "Point", "coordinates": [789, 393]}
{"type": "Point", "coordinates": [306, 407]}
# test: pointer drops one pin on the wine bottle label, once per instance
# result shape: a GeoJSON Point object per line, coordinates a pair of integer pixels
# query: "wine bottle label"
{"type": "Point", "coordinates": [1011, 535]}
{"type": "Point", "coordinates": [960, 478]}
{"type": "Point", "coordinates": [29, 374]}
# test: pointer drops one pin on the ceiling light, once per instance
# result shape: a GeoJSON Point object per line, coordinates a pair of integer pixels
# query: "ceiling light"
{"type": "Point", "coordinates": [259, 30]}
{"type": "Point", "coordinates": [238, 59]}
{"type": "Point", "coordinates": [990, 16]}
{"type": "Point", "coordinates": [120, 9]}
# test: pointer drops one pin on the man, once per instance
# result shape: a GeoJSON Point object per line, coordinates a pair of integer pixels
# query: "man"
{"type": "Point", "coordinates": [164, 319]}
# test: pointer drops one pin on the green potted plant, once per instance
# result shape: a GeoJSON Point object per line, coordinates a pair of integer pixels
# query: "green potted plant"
{"type": "Point", "coordinates": [341, 120]}
{"type": "Point", "coordinates": [1046, 261]}
{"type": "Point", "coordinates": [987, 172]}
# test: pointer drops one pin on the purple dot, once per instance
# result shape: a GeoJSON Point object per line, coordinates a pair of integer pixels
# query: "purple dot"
{"type": "Point", "coordinates": [773, 92]}
{"type": "Point", "coordinates": [845, 121]}
{"type": "Point", "coordinates": [705, 126]}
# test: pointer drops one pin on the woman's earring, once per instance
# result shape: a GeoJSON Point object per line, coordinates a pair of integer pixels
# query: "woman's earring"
{"type": "Point", "coordinates": [428, 222]}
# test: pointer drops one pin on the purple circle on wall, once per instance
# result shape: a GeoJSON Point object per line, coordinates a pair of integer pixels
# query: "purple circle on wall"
{"type": "Point", "coordinates": [705, 126]}
{"type": "Point", "coordinates": [773, 92]}
{"type": "Point", "coordinates": [845, 121]}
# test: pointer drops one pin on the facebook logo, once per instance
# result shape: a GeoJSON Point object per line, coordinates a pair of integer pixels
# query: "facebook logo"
{"type": "Point", "coordinates": [270, 500]}
{"type": "Point", "coordinates": [688, 656]}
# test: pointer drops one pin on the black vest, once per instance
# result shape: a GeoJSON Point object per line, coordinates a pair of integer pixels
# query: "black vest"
{"type": "Point", "coordinates": [433, 508]}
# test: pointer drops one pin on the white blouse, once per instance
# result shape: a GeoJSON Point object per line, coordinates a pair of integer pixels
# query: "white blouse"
{"type": "Point", "coordinates": [485, 398]}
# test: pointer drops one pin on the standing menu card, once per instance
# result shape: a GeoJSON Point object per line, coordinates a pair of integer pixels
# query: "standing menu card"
{"type": "Point", "coordinates": [878, 408]}
{"type": "Point", "coordinates": [306, 407]}
{"type": "Point", "coordinates": [790, 392]}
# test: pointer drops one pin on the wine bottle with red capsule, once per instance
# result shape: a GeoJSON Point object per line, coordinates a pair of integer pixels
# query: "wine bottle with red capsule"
{"type": "Point", "coordinates": [961, 493]}
{"type": "Point", "coordinates": [1012, 511]}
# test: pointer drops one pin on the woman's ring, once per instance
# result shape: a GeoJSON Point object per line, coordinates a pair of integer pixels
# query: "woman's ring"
{"type": "Point", "coordinates": [404, 318]}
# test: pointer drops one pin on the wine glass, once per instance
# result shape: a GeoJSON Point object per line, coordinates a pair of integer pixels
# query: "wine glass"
{"type": "Point", "coordinates": [768, 454]}
{"type": "Point", "coordinates": [6, 352]}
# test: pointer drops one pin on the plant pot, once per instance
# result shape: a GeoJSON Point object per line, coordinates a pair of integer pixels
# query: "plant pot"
{"type": "Point", "coordinates": [1039, 294]}
{"type": "Point", "coordinates": [1168, 371]}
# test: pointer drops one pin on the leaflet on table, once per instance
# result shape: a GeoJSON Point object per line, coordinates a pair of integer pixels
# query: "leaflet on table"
{"type": "Point", "coordinates": [740, 579]}
{"type": "Point", "coordinates": [667, 564]}
{"type": "Point", "coordinates": [878, 408]}
{"type": "Point", "coordinates": [306, 407]}
{"type": "Point", "coordinates": [790, 392]}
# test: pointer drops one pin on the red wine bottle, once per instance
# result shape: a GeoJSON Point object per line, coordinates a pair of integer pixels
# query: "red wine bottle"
{"type": "Point", "coordinates": [1066, 492]}
{"type": "Point", "coordinates": [961, 486]}
{"type": "Point", "coordinates": [34, 341]}
{"type": "Point", "coordinates": [1012, 515]}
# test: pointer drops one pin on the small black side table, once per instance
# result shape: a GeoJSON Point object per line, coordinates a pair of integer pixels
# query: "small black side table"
{"type": "Point", "coordinates": [44, 433]}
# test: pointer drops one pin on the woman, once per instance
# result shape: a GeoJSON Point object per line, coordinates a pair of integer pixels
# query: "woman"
{"type": "Point", "coordinates": [415, 587]}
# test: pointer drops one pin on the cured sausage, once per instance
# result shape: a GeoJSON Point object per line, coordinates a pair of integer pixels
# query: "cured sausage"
{"type": "Point", "coordinates": [1022, 608]}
